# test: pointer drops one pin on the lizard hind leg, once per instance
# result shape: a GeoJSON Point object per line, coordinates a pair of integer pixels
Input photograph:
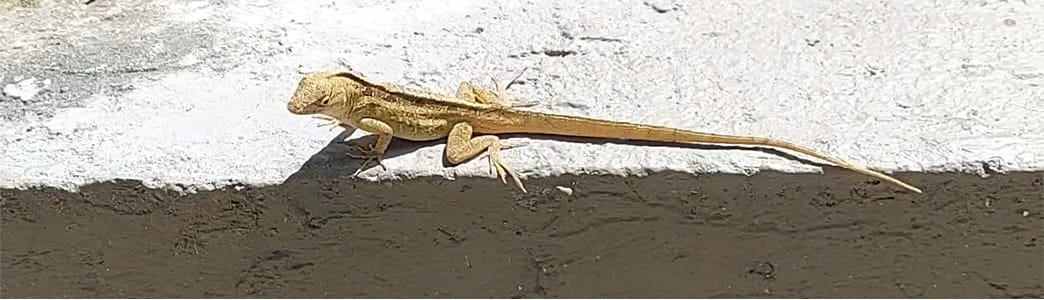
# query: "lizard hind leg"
{"type": "Point", "coordinates": [501, 90]}
{"type": "Point", "coordinates": [470, 92]}
{"type": "Point", "coordinates": [461, 146]}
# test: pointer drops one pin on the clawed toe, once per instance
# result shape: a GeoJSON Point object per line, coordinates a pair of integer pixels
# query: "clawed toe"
{"type": "Point", "coordinates": [328, 121]}
{"type": "Point", "coordinates": [500, 90]}
{"type": "Point", "coordinates": [523, 104]}
{"type": "Point", "coordinates": [369, 154]}
{"type": "Point", "coordinates": [504, 171]}
{"type": "Point", "coordinates": [505, 146]}
{"type": "Point", "coordinates": [499, 169]}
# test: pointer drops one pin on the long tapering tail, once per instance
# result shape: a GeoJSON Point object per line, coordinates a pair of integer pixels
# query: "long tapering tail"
{"type": "Point", "coordinates": [541, 123]}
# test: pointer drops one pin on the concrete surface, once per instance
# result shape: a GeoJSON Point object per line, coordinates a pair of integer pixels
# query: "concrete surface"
{"type": "Point", "coordinates": [667, 235]}
{"type": "Point", "coordinates": [191, 94]}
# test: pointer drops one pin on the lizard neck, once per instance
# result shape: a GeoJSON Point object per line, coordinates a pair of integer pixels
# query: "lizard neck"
{"type": "Point", "coordinates": [348, 103]}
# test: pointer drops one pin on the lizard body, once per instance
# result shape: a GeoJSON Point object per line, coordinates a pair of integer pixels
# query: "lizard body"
{"type": "Point", "coordinates": [387, 110]}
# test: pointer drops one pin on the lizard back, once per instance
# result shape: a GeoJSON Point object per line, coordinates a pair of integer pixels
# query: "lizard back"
{"type": "Point", "coordinates": [419, 115]}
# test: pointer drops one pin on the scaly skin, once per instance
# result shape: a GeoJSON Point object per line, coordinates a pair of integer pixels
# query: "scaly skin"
{"type": "Point", "coordinates": [470, 120]}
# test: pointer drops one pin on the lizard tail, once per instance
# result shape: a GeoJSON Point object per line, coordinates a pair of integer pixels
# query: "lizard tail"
{"type": "Point", "coordinates": [541, 123]}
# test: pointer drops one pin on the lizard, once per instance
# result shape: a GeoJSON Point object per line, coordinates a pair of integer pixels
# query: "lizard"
{"type": "Point", "coordinates": [471, 120]}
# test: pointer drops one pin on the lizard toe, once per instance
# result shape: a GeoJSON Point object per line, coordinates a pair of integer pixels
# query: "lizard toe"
{"type": "Point", "coordinates": [369, 154]}
{"type": "Point", "coordinates": [328, 121]}
{"type": "Point", "coordinates": [505, 146]}
{"type": "Point", "coordinates": [502, 170]}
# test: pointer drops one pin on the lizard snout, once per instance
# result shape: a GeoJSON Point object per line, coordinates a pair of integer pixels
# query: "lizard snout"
{"type": "Point", "coordinates": [297, 109]}
{"type": "Point", "coordinates": [292, 108]}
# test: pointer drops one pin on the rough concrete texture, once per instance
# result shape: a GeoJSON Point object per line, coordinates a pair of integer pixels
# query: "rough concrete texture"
{"type": "Point", "coordinates": [191, 94]}
{"type": "Point", "coordinates": [667, 235]}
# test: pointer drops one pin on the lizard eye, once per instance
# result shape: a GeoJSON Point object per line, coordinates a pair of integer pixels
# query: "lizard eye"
{"type": "Point", "coordinates": [326, 100]}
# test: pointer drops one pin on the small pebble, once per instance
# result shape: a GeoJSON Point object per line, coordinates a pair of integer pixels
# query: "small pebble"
{"type": "Point", "coordinates": [566, 190]}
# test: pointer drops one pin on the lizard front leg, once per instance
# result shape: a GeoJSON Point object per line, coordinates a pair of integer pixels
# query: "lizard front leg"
{"type": "Point", "coordinates": [461, 146]}
{"type": "Point", "coordinates": [375, 152]}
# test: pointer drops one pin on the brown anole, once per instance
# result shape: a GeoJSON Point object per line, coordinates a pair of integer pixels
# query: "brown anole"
{"type": "Point", "coordinates": [471, 120]}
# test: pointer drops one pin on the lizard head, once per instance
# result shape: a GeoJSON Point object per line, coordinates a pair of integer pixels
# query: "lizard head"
{"type": "Point", "coordinates": [319, 92]}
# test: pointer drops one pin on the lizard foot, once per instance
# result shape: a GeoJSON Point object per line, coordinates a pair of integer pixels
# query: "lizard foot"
{"type": "Point", "coordinates": [505, 146]}
{"type": "Point", "coordinates": [501, 92]}
{"type": "Point", "coordinates": [328, 121]}
{"type": "Point", "coordinates": [499, 169]}
{"type": "Point", "coordinates": [369, 154]}
{"type": "Point", "coordinates": [523, 104]}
